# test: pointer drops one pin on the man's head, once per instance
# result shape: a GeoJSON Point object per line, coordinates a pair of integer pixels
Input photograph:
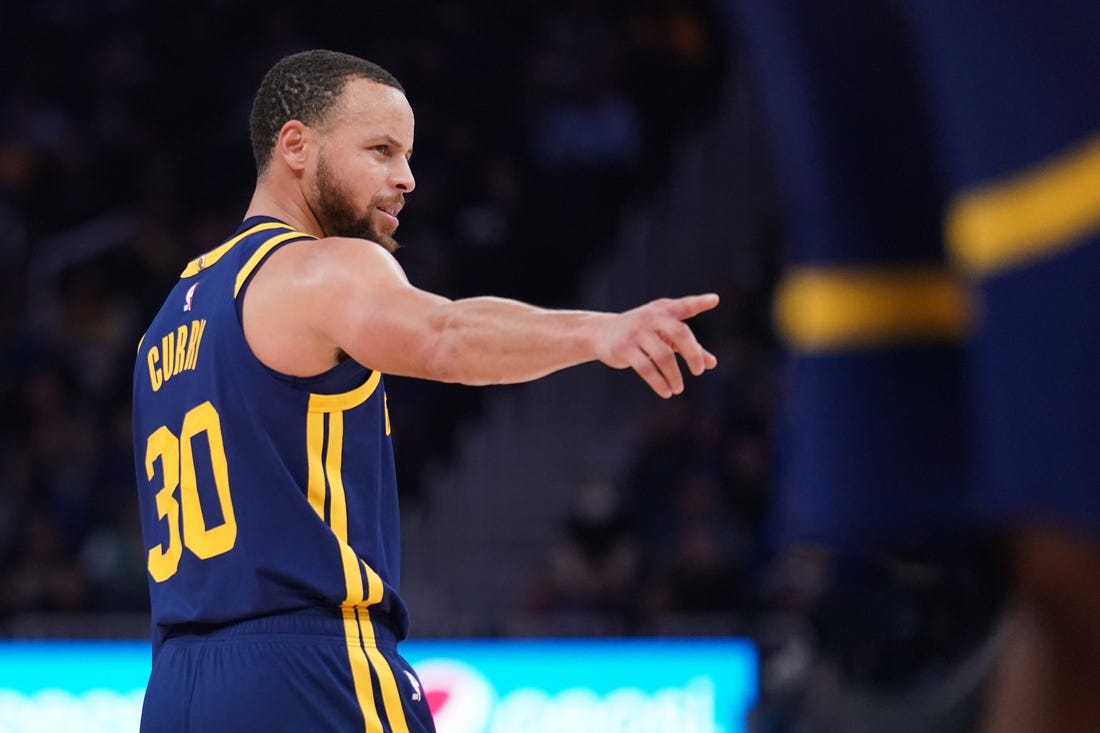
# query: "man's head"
{"type": "Point", "coordinates": [342, 127]}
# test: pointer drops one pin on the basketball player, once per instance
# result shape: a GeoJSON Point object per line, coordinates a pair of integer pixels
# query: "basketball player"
{"type": "Point", "coordinates": [940, 161]}
{"type": "Point", "coordinates": [265, 468]}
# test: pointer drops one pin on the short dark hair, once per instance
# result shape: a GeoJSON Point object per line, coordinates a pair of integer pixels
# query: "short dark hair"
{"type": "Point", "coordinates": [304, 86]}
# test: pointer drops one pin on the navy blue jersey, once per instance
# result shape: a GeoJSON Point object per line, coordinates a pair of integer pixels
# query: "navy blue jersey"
{"type": "Point", "coordinates": [260, 493]}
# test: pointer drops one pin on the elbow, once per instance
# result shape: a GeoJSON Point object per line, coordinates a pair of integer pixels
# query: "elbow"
{"type": "Point", "coordinates": [435, 352]}
{"type": "Point", "coordinates": [448, 354]}
{"type": "Point", "coordinates": [439, 362]}
{"type": "Point", "coordinates": [440, 357]}
{"type": "Point", "coordinates": [446, 360]}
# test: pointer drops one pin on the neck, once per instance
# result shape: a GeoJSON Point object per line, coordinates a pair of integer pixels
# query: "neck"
{"type": "Point", "coordinates": [291, 209]}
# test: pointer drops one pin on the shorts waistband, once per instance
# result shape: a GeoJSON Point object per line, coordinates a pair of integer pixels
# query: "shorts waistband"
{"type": "Point", "coordinates": [343, 623]}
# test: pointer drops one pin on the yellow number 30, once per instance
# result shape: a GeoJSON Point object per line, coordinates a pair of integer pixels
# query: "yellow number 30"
{"type": "Point", "coordinates": [177, 462]}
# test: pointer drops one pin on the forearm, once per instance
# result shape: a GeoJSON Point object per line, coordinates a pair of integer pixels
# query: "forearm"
{"type": "Point", "coordinates": [491, 340]}
{"type": "Point", "coordinates": [349, 297]}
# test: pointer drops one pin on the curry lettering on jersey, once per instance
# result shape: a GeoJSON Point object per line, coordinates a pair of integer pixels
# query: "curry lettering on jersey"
{"type": "Point", "coordinates": [178, 351]}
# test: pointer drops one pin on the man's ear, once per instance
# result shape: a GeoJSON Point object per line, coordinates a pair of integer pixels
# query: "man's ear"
{"type": "Point", "coordinates": [292, 144]}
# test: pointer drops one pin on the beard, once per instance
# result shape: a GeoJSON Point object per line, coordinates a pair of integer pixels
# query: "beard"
{"type": "Point", "coordinates": [337, 215]}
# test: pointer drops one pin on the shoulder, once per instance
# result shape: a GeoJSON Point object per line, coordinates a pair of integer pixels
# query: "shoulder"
{"type": "Point", "coordinates": [308, 284]}
{"type": "Point", "coordinates": [338, 258]}
{"type": "Point", "coordinates": [297, 290]}
{"type": "Point", "coordinates": [308, 302]}
{"type": "Point", "coordinates": [320, 268]}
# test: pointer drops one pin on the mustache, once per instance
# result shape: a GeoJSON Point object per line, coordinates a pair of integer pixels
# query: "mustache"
{"type": "Point", "coordinates": [397, 202]}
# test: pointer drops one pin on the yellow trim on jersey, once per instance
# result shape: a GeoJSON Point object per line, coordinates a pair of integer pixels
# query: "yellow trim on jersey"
{"type": "Point", "coordinates": [261, 252]}
{"type": "Point", "coordinates": [325, 481]}
{"type": "Point", "coordinates": [837, 308]}
{"type": "Point", "coordinates": [1036, 213]}
{"type": "Point", "coordinates": [375, 589]}
{"type": "Point", "coordinates": [201, 262]}
{"type": "Point", "coordinates": [345, 400]}
{"type": "Point", "coordinates": [338, 509]}
{"type": "Point", "coordinates": [315, 443]}
{"type": "Point", "coordinates": [334, 456]}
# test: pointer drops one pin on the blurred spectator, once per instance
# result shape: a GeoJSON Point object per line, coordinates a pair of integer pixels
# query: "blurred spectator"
{"type": "Point", "coordinates": [595, 565]}
{"type": "Point", "coordinates": [704, 568]}
{"type": "Point", "coordinates": [675, 61]}
{"type": "Point", "coordinates": [45, 575]}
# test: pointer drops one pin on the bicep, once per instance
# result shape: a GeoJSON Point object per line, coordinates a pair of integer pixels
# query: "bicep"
{"type": "Point", "coordinates": [308, 302]}
{"type": "Point", "coordinates": [371, 312]}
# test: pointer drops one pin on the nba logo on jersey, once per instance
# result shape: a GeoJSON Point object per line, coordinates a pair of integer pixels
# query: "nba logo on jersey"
{"type": "Point", "coordinates": [187, 299]}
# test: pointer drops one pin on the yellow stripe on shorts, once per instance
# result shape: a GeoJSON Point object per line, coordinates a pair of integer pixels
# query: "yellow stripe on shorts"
{"type": "Point", "coordinates": [360, 672]}
{"type": "Point", "coordinates": [387, 682]}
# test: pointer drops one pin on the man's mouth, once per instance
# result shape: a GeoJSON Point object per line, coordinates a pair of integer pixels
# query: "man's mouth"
{"type": "Point", "coordinates": [391, 211]}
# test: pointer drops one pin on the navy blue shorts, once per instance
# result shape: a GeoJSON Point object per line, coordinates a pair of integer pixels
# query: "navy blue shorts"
{"type": "Point", "coordinates": [312, 671]}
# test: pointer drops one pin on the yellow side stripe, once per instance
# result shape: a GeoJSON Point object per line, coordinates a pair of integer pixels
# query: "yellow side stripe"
{"type": "Point", "coordinates": [835, 308]}
{"type": "Point", "coordinates": [315, 440]}
{"type": "Point", "coordinates": [360, 672]}
{"type": "Point", "coordinates": [375, 590]}
{"type": "Point", "coordinates": [203, 261]}
{"type": "Point", "coordinates": [325, 480]}
{"type": "Point", "coordinates": [260, 253]}
{"type": "Point", "coordinates": [1034, 214]}
{"type": "Point", "coordinates": [324, 472]}
{"type": "Point", "coordinates": [391, 696]}
{"type": "Point", "coordinates": [338, 509]}
{"type": "Point", "coordinates": [345, 400]}
{"type": "Point", "coordinates": [358, 657]}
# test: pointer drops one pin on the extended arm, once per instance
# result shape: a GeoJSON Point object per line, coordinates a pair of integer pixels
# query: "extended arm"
{"type": "Point", "coordinates": [313, 300]}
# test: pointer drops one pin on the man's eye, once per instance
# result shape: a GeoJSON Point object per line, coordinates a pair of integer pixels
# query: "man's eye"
{"type": "Point", "coordinates": [381, 149]}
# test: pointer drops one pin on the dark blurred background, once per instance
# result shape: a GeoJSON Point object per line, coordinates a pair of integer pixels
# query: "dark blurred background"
{"type": "Point", "coordinates": [587, 153]}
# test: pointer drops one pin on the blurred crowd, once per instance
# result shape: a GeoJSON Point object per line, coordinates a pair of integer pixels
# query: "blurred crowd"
{"type": "Point", "coordinates": [678, 543]}
{"type": "Point", "coordinates": [126, 154]}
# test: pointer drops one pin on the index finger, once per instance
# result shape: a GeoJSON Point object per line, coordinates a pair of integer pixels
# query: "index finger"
{"type": "Point", "coordinates": [692, 305]}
